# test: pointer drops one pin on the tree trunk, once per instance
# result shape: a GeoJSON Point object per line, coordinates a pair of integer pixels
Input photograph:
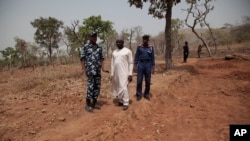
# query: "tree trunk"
{"type": "Point", "coordinates": [204, 43]}
{"type": "Point", "coordinates": [50, 55]}
{"type": "Point", "coordinates": [168, 52]}
{"type": "Point", "coordinates": [212, 35]}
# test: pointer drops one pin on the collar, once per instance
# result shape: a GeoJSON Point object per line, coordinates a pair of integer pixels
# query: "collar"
{"type": "Point", "coordinates": [148, 45]}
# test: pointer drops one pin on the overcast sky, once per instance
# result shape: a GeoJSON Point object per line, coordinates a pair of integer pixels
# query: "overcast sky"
{"type": "Point", "coordinates": [16, 15]}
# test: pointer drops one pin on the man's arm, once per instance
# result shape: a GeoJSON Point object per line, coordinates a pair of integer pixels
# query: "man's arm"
{"type": "Point", "coordinates": [102, 61]}
{"type": "Point", "coordinates": [130, 66]}
{"type": "Point", "coordinates": [153, 61]}
{"type": "Point", "coordinates": [136, 60]}
{"type": "Point", "coordinates": [103, 67]}
{"type": "Point", "coordinates": [82, 57]}
{"type": "Point", "coordinates": [136, 56]}
{"type": "Point", "coordinates": [82, 65]}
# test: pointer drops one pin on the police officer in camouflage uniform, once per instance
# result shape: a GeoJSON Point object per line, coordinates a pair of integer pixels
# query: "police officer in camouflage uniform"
{"type": "Point", "coordinates": [92, 63]}
{"type": "Point", "coordinates": [144, 65]}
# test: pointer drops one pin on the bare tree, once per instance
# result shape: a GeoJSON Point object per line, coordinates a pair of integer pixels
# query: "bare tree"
{"type": "Point", "coordinates": [74, 25]}
{"type": "Point", "coordinates": [198, 13]}
{"type": "Point", "coordinates": [209, 28]}
{"type": "Point", "coordinates": [138, 34]}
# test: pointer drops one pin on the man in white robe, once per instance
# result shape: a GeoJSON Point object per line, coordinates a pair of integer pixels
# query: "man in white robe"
{"type": "Point", "coordinates": [121, 73]}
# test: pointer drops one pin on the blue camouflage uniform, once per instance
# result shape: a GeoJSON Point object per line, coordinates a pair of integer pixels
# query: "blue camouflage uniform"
{"type": "Point", "coordinates": [93, 57]}
{"type": "Point", "coordinates": [144, 61]}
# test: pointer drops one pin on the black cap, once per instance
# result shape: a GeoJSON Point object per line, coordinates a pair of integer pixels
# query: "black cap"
{"type": "Point", "coordinates": [92, 33]}
{"type": "Point", "coordinates": [145, 36]}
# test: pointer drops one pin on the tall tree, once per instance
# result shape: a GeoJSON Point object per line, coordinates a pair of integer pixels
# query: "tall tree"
{"type": "Point", "coordinates": [71, 40]}
{"type": "Point", "coordinates": [47, 33]}
{"type": "Point", "coordinates": [106, 33]}
{"type": "Point", "coordinates": [22, 48]}
{"type": "Point", "coordinates": [93, 23]}
{"type": "Point", "coordinates": [161, 9]}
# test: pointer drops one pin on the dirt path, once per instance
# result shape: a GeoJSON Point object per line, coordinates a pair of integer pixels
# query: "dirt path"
{"type": "Point", "coordinates": [194, 101]}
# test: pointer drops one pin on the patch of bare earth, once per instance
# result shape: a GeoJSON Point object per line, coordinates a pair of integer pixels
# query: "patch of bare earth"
{"type": "Point", "coordinates": [195, 101]}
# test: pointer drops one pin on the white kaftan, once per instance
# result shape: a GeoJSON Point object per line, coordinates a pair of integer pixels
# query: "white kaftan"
{"type": "Point", "coordinates": [121, 68]}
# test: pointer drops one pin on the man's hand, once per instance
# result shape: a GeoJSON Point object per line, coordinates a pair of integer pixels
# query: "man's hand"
{"type": "Point", "coordinates": [105, 71]}
{"type": "Point", "coordinates": [111, 78]}
{"type": "Point", "coordinates": [83, 67]}
{"type": "Point", "coordinates": [135, 70]}
{"type": "Point", "coordinates": [153, 70]}
{"type": "Point", "coordinates": [130, 78]}
{"type": "Point", "coordinates": [83, 70]}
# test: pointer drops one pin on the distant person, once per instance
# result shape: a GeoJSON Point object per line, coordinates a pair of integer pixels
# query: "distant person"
{"type": "Point", "coordinates": [185, 52]}
{"type": "Point", "coordinates": [92, 62]}
{"type": "Point", "coordinates": [144, 65]}
{"type": "Point", "coordinates": [121, 72]}
{"type": "Point", "coordinates": [199, 51]}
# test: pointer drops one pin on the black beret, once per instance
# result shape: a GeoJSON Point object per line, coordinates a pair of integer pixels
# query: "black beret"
{"type": "Point", "coordinates": [92, 33]}
{"type": "Point", "coordinates": [145, 36]}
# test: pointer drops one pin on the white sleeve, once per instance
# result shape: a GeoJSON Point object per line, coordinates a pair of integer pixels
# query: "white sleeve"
{"type": "Point", "coordinates": [130, 63]}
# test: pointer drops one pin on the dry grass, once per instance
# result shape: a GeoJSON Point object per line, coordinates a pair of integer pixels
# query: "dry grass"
{"type": "Point", "coordinates": [45, 79]}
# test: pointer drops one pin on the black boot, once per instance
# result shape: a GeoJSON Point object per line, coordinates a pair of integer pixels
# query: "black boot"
{"type": "Point", "coordinates": [88, 106]}
{"type": "Point", "coordinates": [96, 105]}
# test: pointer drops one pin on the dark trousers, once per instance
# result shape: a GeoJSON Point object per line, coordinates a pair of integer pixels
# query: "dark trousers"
{"type": "Point", "coordinates": [199, 54]}
{"type": "Point", "coordinates": [93, 86]}
{"type": "Point", "coordinates": [185, 54]}
{"type": "Point", "coordinates": [143, 70]}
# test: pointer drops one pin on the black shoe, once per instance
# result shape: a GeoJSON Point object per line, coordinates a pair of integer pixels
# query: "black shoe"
{"type": "Point", "coordinates": [138, 98]}
{"type": "Point", "coordinates": [125, 107]}
{"type": "Point", "coordinates": [88, 108]}
{"type": "Point", "coordinates": [147, 97]}
{"type": "Point", "coordinates": [97, 106]}
{"type": "Point", "coordinates": [119, 104]}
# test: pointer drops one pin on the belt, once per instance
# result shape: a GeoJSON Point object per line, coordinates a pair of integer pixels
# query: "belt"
{"type": "Point", "coordinates": [144, 60]}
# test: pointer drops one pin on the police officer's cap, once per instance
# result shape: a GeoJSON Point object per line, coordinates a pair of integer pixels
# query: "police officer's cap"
{"type": "Point", "coordinates": [93, 33]}
{"type": "Point", "coordinates": [145, 36]}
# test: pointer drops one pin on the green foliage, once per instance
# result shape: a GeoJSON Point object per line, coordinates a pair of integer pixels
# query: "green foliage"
{"type": "Point", "coordinates": [95, 23]}
{"type": "Point", "coordinates": [79, 38]}
{"type": "Point", "coordinates": [73, 41]}
{"type": "Point", "coordinates": [176, 25]}
{"type": "Point", "coordinates": [10, 56]}
{"type": "Point", "coordinates": [26, 52]}
{"type": "Point", "coordinates": [47, 33]}
{"type": "Point", "coordinates": [70, 35]}
{"type": "Point", "coordinates": [157, 8]}
{"type": "Point", "coordinates": [21, 48]}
